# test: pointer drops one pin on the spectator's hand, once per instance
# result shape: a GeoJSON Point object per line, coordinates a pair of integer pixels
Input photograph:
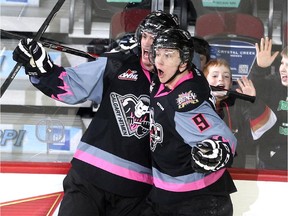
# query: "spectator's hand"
{"type": "Point", "coordinates": [263, 53]}
{"type": "Point", "coordinates": [211, 155]}
{"type": "Point", "coordinates": [246, 86]}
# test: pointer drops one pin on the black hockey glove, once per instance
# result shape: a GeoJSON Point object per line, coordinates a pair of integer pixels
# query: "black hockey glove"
{"type": "Point", "coordinates": [127, 42]}
{"type": "Point", "coordinates": [34, 58]}
{"type": "Point", "coordinates": [21, 53]}
{"type": "Point", "coordinates": [211, 155]}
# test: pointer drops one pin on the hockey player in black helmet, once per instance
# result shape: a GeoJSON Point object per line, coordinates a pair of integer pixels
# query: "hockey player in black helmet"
{"type": "Point", "coordinates": [111, 168]}
{"type": "Point", "coordinates": [156, 22]}
{"type": "Point", "coordinates": [191, 146]}
{"type": "Point", "coordinates": [148, 29]}
{"type": "Point", "coordinates": [175, 39]}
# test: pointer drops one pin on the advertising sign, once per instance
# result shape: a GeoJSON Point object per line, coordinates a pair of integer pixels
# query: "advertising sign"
{"type": "Point", "coordinates": [240, 55]}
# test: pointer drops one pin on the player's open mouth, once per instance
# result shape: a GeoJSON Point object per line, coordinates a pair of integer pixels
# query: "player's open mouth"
{"type": "Point", "coordinates": [284, 77]}
{"type": "Point", "coordinates": [160, 72]}
{"type": "Point", "coordinates": [145, 53]}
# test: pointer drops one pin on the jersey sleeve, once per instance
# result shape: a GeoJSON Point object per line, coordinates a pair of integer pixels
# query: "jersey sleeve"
{"type": "Point", "coordinates": [74, 85]}
{"type": "Point", "coordinates": [202, 123]}
{"type": "Point", "coordinates": [259, 115]}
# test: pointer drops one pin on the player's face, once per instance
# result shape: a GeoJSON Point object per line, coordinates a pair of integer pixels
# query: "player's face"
{"type": "Point", "coordinates": [219, 76]}
{"type": "Point", "coordinates": [283, 69]}
{"type": "Point", "coordinates": [167, 62]}
{"type": "Point", "coordinates": [146, 42]}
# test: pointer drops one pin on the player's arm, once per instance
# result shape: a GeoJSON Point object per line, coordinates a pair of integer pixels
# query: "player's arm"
{"type": "Point", "coordinates": [70, 85]}
{"type": "Point", "coordinates": [212, 142]}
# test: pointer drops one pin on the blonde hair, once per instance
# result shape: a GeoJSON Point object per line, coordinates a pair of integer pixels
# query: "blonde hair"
{"type": "Point", "coordinates": [215, 62]}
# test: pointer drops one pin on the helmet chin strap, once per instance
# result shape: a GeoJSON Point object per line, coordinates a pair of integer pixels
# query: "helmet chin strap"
{"type": "Point", "coordinates": [175, 74]}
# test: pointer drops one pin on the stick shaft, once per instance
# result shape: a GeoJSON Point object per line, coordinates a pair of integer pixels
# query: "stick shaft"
{"type": "Point", "coordinates": [38, 35]}
{"type": "Point", "coordinates": [47, 21]}
{"type": "Point", "coordinates": [52, 45]}
{"type": "Point", "coordinates": [242, 96]}
{"type": "Point", "coordinates": [70, 50]}
{"type": "Point", "coordinates": [235, 94]}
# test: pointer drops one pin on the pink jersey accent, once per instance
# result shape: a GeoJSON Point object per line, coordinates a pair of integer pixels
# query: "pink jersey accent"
{"type": "Point", "coordinates": [162, 86]}
{"type": "Point", "coordinates": [202, 183]}
{"type": "Point", "coordinates": [112, 168]}
{"type": "Point", "coordinates": [64, 87]}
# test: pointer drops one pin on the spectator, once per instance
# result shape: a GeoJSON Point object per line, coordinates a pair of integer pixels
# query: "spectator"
{"type": "Point", "coordinates": [111, 168]}
{"type": "Point", "coordinates": [191, 146]}
{"type": "Point", "coordinates": [273, 90]}
{"type": "Point", "coordinates": [247, 120]}
{"type": "Point", "coordinates": [202, 48]}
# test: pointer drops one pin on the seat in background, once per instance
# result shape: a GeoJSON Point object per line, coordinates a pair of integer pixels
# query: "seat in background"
{"type": "Point", "coordinates": [229, 24]}
{"type": "Point", "coordinates": [232, 37]}
{"type": "Point", "coordinates": [126, 21]}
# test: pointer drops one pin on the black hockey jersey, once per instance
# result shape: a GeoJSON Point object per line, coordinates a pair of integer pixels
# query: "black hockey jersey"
{"type": "Point", "coordinates": [114, 151]}
{"type": "Point", "coordinates": [179, 119]}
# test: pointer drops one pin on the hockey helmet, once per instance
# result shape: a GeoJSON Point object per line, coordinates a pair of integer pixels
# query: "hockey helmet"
{"type": "Point", "coordinates": [156, 22]}
{"type": "Point", "coordinates": [175, 39]}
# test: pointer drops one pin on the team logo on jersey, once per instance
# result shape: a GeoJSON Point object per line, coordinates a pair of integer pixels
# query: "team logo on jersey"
{"type": "Point", "coordinates": [283, 128]}
{"type": "Point", "coordinates": [156, 132]}
{"type": "Point", "coordinates": [186, 98]}
{"type": "Point", "coordinates": [283, 105]}
{"type": "Point", "coordinates": [132, 114]}
{"type": "Point", "coordinates": [130, 75]}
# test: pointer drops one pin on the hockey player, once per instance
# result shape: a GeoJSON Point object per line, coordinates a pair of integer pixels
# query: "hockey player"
{"type": "Point", "coordinates": [111, 168]}
{"type": "Point", "coordinates": [191, 146]}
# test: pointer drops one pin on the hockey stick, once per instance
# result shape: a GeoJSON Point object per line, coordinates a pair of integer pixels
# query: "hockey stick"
{"type": "Point", "coordinates": [52, 45]}
{"type": "Point", "coordinates": [37, 37]}
{"type": "Point", "coordinates": [235, 94]}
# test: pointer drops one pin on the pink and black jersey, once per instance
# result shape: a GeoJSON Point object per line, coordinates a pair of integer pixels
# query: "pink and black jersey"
{"type": "Point", "coordinates": [114, 151]}
{"type": "Point", "coordinates": [180, 118]}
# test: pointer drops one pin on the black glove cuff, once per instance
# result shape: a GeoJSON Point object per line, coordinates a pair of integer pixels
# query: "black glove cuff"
{"type": "Point", "coordinates": [34, 71]}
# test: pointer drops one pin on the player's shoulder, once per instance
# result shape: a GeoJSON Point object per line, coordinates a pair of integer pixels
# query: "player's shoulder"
{"type": "Point", "coordinates": [185, 97]}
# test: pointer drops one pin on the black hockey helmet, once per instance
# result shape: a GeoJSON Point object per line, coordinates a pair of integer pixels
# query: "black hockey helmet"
{"type": "Point", "coordinates": [156, 22]}
{"type": "Point", "coordinates": [175, 39]}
